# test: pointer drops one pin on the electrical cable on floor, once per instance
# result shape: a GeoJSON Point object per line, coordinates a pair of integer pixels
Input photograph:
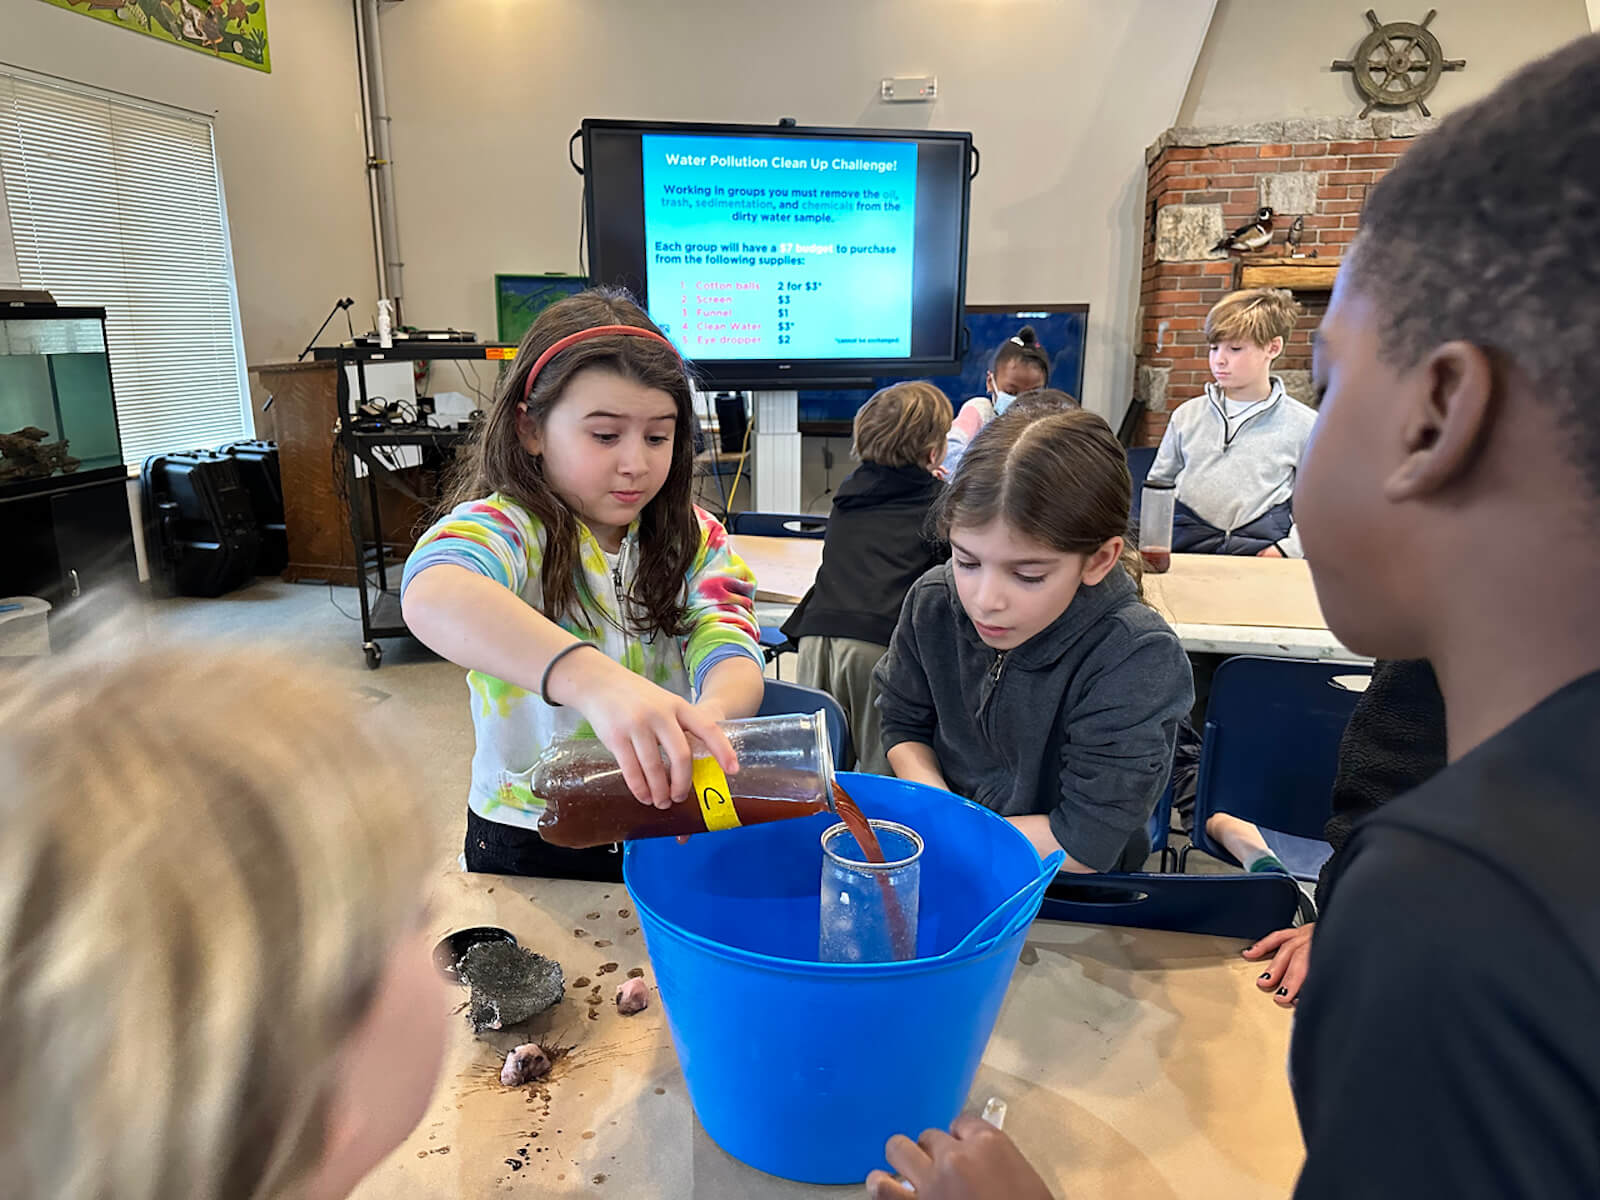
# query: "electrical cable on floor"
{"type": "Point", "coordinates": [583, 217]}
{"type": "Point", "coordinates": [483, 401]}
{"type": "Point", "coordinates": [716, 454]}
{"type": "Point", "coordinates": [744, 450]}
{"type": "Point", "coordinates": [583, 200]}
{"type": "Point", "coordinates": [347, 615]}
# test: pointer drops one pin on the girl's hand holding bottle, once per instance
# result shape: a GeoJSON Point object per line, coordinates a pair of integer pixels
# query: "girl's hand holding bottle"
{"type": "Point", "coordinates": [640, 722]}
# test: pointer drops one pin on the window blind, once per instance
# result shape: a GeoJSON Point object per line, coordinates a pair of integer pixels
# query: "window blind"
{"type": "Point", "coordinates": [119, 204]}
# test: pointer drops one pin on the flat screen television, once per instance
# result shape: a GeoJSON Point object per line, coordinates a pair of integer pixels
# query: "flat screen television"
{"type": "Point", "coordinates": [782, 256]}
{"type": "Point", "coordinates": [1062, 330]}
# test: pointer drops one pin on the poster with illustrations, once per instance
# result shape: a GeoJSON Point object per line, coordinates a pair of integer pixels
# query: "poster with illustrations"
{"type": "Point", "coordinates": [518, 299]}
{"type": "Point", "coordinates": [235, 30]}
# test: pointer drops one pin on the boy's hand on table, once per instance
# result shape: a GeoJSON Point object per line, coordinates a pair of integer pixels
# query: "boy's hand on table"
{"type": "Point", "coordinates": [974, 1161]}
{"type": "Point", "coordinates": [1269, 552]}
{"type": "Point", "coordinates": [1291, 959]}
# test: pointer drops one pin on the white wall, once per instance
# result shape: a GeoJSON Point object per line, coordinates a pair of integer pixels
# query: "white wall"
{"type": "Point", "coordinates": [1265, 59]}
{"type": "Point", "coordinates": [1062, 96]}
{"type": "Point", "coordinates": [289, 143]}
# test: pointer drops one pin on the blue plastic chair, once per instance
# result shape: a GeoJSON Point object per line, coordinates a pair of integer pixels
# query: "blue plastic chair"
{"type": "Point", "coordinates": [1269, 753]}
{"type": "Point", "coordinates": [1241, 906]}
{"type": "Point", "coordinates": [763, 524]}
{"type": "Point", "coordinates": [774, 641]}
{"type": "Point", "coordinates": [1140, 460]}
{"type": "Point", "coordinates": [780, 698]}
{"type": "Point", "coordinates": [1159, 828]}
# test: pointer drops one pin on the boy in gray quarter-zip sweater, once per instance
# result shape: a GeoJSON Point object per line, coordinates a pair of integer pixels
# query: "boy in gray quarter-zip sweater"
{"type": "Point", "coordinates": [1233, 452]}
{"type": "Point", "coordinates": [1077, 722]}
{"type": "Point", "coordinates": [1236, 476]}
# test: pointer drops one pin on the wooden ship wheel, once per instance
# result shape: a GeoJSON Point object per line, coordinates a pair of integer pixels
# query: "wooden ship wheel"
{"type": "Point", "coordinates": [1398, 64]}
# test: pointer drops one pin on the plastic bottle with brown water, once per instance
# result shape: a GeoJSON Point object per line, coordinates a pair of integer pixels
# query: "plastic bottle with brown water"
{"type": "Point", "coordinates": [1156, 504]}
{"type": "Point", "coordinates": [785, 771]}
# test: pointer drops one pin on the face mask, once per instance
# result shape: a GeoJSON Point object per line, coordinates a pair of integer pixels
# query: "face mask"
{"type": "Point", "coordinates": [1002, 401]}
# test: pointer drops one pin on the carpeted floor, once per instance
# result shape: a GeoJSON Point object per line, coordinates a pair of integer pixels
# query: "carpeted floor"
{"type": "Point", "coordinates": [424, 694]}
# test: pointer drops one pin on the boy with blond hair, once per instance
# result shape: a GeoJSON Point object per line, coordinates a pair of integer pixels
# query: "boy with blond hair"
{"type": "Point", "coordinates": [1232, 453]}
{"type": "Point", "coordinates": [874, 551]}
{"type": "Point", "coordinates": [214, 975]}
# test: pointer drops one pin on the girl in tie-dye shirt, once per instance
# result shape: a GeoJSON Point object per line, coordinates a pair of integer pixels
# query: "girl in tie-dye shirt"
{"type": "Point", "coordinates": [572, 531]}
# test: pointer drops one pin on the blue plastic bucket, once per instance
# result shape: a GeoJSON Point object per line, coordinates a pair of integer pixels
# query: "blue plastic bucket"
{"type": "Point", "coordinates": [804, 1069]}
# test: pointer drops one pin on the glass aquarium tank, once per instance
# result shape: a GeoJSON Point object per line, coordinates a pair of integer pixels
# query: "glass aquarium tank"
{"type": "Point", "coordinates": [58, 417]}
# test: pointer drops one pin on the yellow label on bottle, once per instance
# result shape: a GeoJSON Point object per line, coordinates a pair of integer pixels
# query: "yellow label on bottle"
{"type": "Point", "coordinates": [711, 790]}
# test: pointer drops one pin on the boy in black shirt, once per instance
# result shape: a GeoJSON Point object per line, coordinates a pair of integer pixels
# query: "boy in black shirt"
{"type": "Point", "coordinates": [1448, 504]}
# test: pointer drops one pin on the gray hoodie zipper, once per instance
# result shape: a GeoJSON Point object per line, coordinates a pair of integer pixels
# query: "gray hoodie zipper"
{"type": "Point", "coordinates": [1227, 437]}
{"type": "Point", "coordinates": [994, 686]}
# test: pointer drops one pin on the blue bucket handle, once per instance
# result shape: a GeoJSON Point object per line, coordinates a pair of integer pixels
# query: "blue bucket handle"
{"type": "Point", "coordinates": [1023, 902]}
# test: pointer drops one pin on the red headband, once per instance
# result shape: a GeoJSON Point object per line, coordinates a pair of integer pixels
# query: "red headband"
{"type": "Point", "coordinates": [583, 335]}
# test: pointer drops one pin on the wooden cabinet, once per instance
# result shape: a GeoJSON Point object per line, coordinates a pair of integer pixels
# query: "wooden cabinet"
{"type": "Point", "coordinates": [304, 404]}
{"type": "Point", "coordinates": [316, 515]}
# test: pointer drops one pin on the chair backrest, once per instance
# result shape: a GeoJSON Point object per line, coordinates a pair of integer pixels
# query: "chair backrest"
{"type": "Point", "coordinates": [763, 524]}
{"type": "Point", "coordinates": [1159, 827]}
{"type": "Point", "coordinates": [780, 697]}
{"type": "Point", "coordinates": [1271, 742]}
{"type": "Point", "coordinates": [1242, 906]}
{"type": "Point", "coordinates": [1140, 460]}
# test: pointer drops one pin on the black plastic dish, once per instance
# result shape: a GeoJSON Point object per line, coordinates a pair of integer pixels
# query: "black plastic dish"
{"type": "Point", "coordinates": [453, 947]}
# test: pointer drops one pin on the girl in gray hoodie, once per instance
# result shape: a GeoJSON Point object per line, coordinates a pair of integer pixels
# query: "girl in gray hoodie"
{"type": "Point", "coordinates": [1027, 673]}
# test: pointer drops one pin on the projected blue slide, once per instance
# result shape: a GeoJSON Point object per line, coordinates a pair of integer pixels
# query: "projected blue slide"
{"type": "Point", "coordinates": [780, 248]}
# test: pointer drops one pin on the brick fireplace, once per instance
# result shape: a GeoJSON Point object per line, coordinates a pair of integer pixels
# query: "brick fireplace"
{"type": "Point", "coordinates": [1205, 183]}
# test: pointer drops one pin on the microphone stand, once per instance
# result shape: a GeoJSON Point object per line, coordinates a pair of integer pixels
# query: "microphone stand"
{"type": "Point", "coordinates": [337, 305]}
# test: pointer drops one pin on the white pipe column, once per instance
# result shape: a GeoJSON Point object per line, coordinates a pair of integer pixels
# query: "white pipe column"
{"type": "Point", "coordinates": [777, 438]}
{"type": "Point", "coordinates": [381, 160]}
{"type": "Point", "coordinates": [375, 220]}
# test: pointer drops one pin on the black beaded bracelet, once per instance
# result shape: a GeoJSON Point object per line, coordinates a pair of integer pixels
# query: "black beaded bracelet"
{"type": "Point", "coordinates": [544, 681]}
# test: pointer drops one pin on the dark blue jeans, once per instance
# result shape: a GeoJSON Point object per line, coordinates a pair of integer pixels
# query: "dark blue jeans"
{"type": "Point", "coordinates": [1192, 534]}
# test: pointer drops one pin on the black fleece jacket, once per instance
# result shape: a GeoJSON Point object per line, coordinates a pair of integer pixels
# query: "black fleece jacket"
{"type": "Point", "coordinates": [875, 549]}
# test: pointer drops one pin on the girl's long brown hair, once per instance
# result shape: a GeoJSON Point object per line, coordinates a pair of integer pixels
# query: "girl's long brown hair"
{"type": "Point", "coordinates": [1060, 479]}
{"type": "Point", "coordinates": [495, 461]}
